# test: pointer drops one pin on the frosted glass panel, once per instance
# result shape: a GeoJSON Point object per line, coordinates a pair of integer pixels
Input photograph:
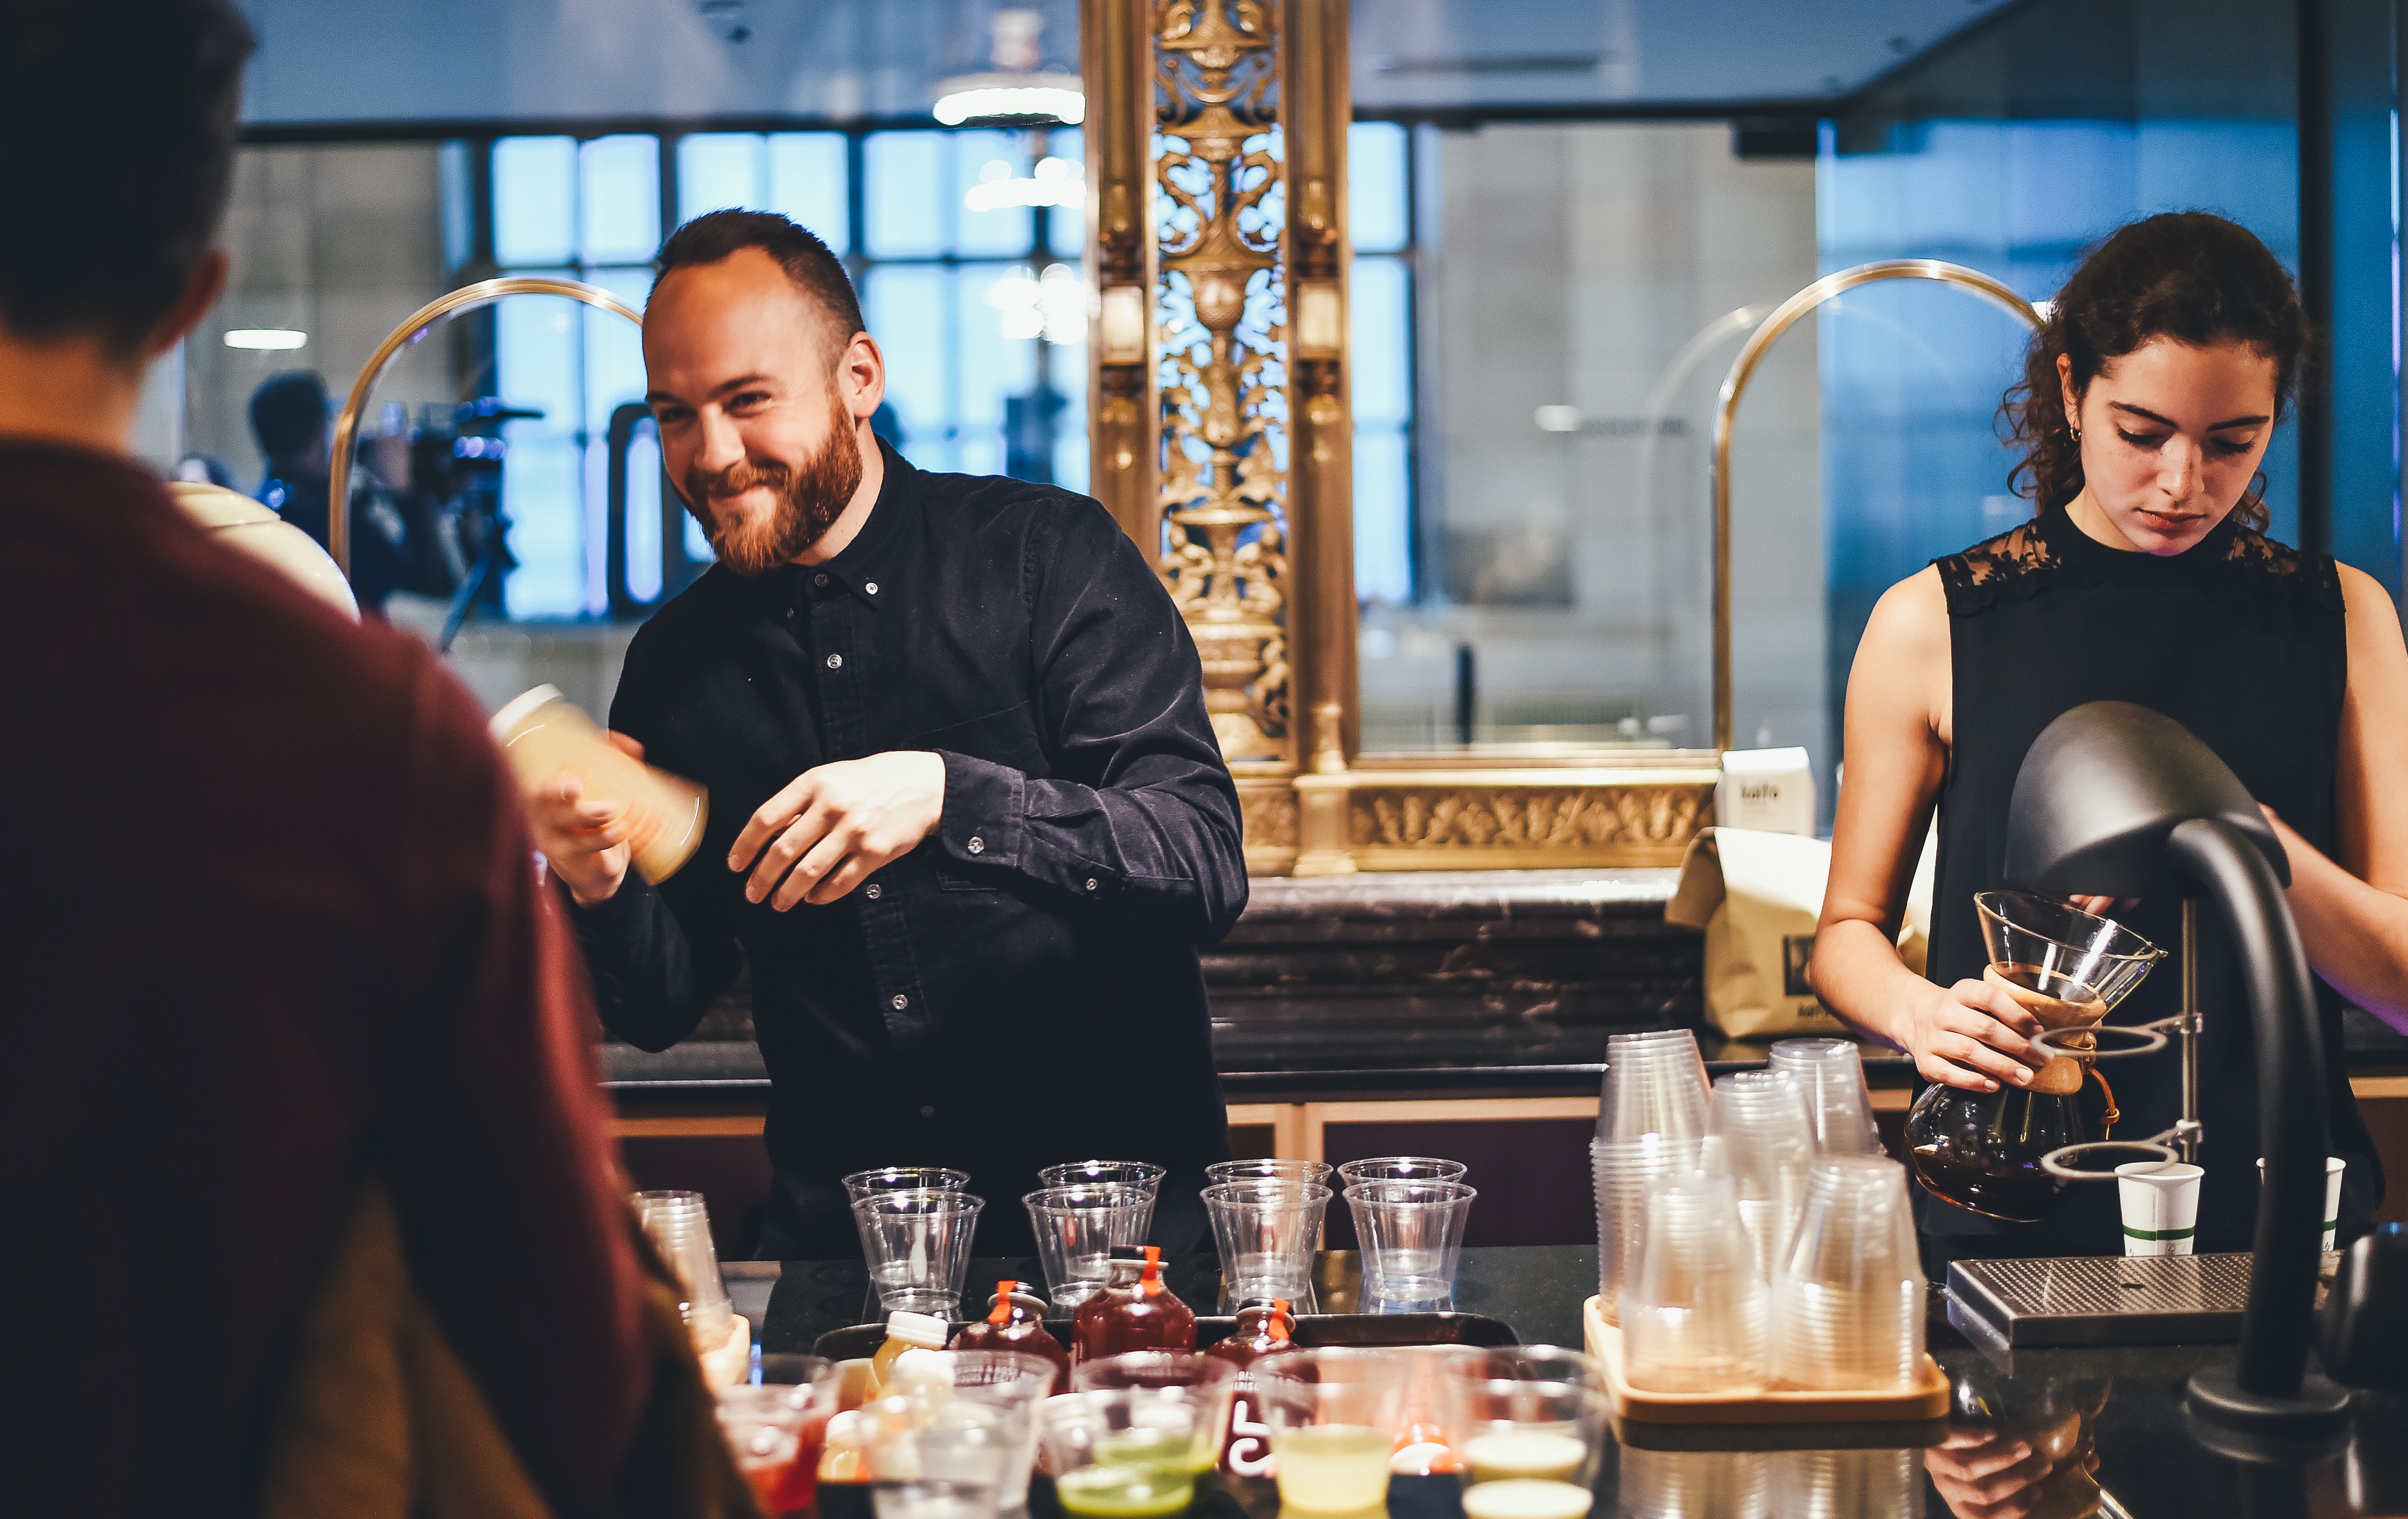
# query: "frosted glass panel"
{"type": "Point", "coordinates": [620, 198]}
{"type": "Point", "coordinates": [808, 184]}
{"type": "Point", "coordinates": [1384, 566]}
{"type": "Point", "coordinates": [535, 200]}
{"type": "Point", "coordinates": [717, 170]}
{"type": "Point", "coordinates": [1383, 375]}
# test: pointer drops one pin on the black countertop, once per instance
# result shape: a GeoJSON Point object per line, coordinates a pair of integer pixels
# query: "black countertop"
{"type": "Point", "coordinates": [2099, 1431]}
{"type": "Point", "coordinates": [1487, 982]}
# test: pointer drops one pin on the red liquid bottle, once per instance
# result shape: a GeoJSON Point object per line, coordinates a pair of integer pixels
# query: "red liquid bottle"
{"type": "Point", "coordinates": [1134, 1311]}
{"type": "Point", "coordinates": [1010, 1325]}
{"type": "Point", "coordinates": [1264, 1328]}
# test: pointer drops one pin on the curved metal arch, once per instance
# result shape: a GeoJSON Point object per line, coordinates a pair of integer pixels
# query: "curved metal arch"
{"type": "Point", "coordinates": [1735, 384]}
{"type": "Point", "coordinates": [347, 426]}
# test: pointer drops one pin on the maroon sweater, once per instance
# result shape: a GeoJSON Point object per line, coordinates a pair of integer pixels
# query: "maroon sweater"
{"type": "Point", "coordinates": [268, 924]}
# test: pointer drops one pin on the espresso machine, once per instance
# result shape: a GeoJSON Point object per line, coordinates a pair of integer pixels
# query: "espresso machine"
{"type": "Point", "coordinates": [2117, 800]}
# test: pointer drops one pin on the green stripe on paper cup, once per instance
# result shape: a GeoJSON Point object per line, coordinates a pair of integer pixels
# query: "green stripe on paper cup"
{"type": "Point", "coordinates": [2160, 1234]}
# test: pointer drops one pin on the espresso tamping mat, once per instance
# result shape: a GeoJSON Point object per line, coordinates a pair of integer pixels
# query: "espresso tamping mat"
{"type": "Point", "coordinates": [2100, 1299]}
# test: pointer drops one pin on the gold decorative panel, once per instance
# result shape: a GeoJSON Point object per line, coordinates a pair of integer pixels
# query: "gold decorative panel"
{"type": "Point", "coordinates": [1222, 319]}
{"type": "Point", "coordinates": [1477, 817]}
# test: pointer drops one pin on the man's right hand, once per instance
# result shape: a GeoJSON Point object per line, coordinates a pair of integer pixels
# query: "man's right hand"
{"type": "Point", "coordinates": [1971, 1034]}
{"type": "Point", "coordinates": [585, 840]}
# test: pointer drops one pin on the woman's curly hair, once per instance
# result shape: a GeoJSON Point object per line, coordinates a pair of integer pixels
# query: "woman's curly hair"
{"type": "Point", "coordinates": [2191, 276]}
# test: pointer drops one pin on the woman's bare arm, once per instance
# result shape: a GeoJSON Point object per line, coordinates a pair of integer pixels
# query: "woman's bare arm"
{"type": "Point", "coordinates": [1970, 1035]}
{"type": "Point", "coordinates": [2353, 910]}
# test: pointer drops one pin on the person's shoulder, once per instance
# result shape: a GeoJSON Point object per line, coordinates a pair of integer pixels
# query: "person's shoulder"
{"type": "Point", "coordinates": [2017, 563]}
{"type": "Point", "coordinates": [1913, 613]}
{"type": "Point", "coordinates": [1000, 498]}
{"type": "Point", "coordinates": [2272, 568]}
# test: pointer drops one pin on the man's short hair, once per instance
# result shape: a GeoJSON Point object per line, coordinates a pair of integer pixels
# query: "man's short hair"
{"type": "Point", "coordinates": [119, 117]}
{"type": "Point", "coordinates": [288, 412]}
{"type": "Point", "coordinates": [817, 272]}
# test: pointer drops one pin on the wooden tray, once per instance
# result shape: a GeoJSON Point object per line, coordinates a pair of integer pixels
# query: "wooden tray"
{"type": "Point", "coordinates": [1927, 1399]}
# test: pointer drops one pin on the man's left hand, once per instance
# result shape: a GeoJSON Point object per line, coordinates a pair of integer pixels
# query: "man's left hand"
{"type": "Point", "coordinates": [834, 824]}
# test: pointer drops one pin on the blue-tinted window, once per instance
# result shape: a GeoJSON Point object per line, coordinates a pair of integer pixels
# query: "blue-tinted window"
{"type": "Point", "coordinates": [719, 170]}
{"type": "Point", "coordinates": [905, 185]}
{"type": "Point", "coordinates": [1377, 207]}
{"type": "Point", "coordinates": [809, 180]}
{"type": "Point", "coordinates": [535, 200]}
{"type": "Point", "coordinates": [619, 199]}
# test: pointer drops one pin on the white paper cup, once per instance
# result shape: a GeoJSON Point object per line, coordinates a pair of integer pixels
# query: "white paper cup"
{"type": "Point", "coordinates": [2334, 1166]}
{"type": "Point", "coordinates": [2160, 1206]}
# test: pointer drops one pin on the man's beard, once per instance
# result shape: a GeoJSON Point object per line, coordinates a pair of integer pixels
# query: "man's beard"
{"type": "Point", "coordinates": [809, 501]}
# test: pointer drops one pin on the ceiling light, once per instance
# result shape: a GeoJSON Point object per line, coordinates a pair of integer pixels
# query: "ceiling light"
{"type": "Point", "coordinates": [1011, 97]}
{"type": "Point", "coordinates": [271, 338]}
{"type": "Point", "coordinates": [1054, 183]}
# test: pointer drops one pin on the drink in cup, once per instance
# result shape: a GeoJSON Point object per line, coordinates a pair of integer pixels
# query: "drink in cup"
{"type": "Point", "coordinates": [1333, 1417]}
{"type": "Point", "coordinates": [542, 735]}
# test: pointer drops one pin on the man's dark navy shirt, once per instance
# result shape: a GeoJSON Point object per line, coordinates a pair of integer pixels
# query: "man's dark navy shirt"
{"type": "Point", "coordinates": [1023, 987]}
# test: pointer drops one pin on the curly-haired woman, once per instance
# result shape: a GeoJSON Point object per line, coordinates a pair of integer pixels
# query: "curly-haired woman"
{"type": "Point", "coordinates": [2144, 575]}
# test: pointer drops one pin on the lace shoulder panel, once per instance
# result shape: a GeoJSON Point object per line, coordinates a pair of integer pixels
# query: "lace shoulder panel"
{"type": "Point", "coordinates": [2017, 563]}
{"type": "Point", "coordinates": [2266, 567]}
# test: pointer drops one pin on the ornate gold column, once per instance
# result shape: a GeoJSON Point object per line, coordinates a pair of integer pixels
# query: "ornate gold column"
{"type": "Point", "coordinates": [1223, 439]}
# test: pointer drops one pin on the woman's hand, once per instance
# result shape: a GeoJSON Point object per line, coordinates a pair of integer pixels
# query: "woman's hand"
{"type": "Point", "coordinates": [1971, 1035]}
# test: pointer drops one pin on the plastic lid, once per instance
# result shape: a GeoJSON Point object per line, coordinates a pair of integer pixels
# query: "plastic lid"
{"type": "Point", "coordinates": [925, 1330]}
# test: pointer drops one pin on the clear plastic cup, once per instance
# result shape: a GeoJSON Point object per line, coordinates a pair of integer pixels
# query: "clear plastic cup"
{"type": "Point", "coordinates": [679, 1225]}
{"type": "Point", "coordinates": [1622, 1170]}
{"type": "Point", "coordinates": [1127, 1452]}
{"type": "Point", "coordinates": [1207, 1379]}
{"type": "Point", "coordinates": [1267, 1232]}
{"type": "Point", "coordinates": [1333, 1417]}
{"type": "Point", "coordinates": [1010, 1385]}
{"type": "Point", "coordinates": [1528, 1425]}
{"type": "Point", "coordinates": [918, 1246]}
{"type": "Point", "coordinates": [1830, 1076]}
{"type": "Point", "coordinates": [1412, 1240]}
{"type": "Point", "coordinates": [862, 1185]}
{"type": "Point", "coordinates": [1401, 1168]}
{"type": "Point", "coordinates": [1222, 1172]}
{"type": "Point", "coordinates": [1758, 1136]}
{"type": "Point", "coordinates": [1848, 1303]}
{"type": "Point", "coordinates": [1654, 1084]}
{"type": "Point", "coordinates": [1143, 1175]}
{"type": "Point", "coordinates": [944, 1439]}
{"type": "Point", "coordinates": [1077, 1227]}
{"type": "Point", "coordinates": [809, 1385]}
{"type": "Point", "coordinates": [933, 1500]}
{"type": "Point", "coordinates": [1693, 1312]}
{"type": "Point", "coordinates": [764, 1430]}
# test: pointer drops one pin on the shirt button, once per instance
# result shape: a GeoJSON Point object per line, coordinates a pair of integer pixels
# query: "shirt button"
{"type": "Point", "coordinates": [876, 891]}
{"type": "Point", "coordinates": [927, 1113]}
{"type": "Point", "coordinates": [977, 845]}
{"type": "Point", "coordinates": [836, 662]}
{"type": "Point", "coordinates": [1091, 883]}
{"type": "Point", "coordinates": [902, 1002]}
{"type": "Point", "coordinates": [871, 588]}
{"type": "Point", "coordinates": [819, 579]}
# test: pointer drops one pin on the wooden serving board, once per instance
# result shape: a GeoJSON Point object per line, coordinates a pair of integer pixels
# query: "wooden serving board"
{"type": "Point", "coordinates": [1927, 1399]}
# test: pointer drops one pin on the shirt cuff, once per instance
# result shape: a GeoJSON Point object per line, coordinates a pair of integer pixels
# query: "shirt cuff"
{"type": "Point", "coordinates": [986, 806]}
{"type": "Point", "coordinates": [608, 919]}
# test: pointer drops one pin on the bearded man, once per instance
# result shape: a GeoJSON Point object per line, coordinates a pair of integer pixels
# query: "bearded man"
{"type": "Point", "coordinates": [968, 822]}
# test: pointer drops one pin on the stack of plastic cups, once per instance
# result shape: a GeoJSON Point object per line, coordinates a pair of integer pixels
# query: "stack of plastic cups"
{"type": "Point", "coordinates": [1757, 1135]}
{"type": "Point", "coordinates": [1650, 1123]}
{"type": "Point", "coordinates": [1830, 1076]}
{"type": "Point", "coordinates": [680, 1228]}
{"type": "Point", "coordinates": [1693, 1311]}
{"type": "Point", "coordinates": [1848, 1298]}
{"type": "Point", "coordinates": [1144, 1177]}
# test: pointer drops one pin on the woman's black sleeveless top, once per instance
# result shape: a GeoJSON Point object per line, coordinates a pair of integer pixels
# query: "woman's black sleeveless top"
{"type": "Point", "coordinates": [2241, 640]}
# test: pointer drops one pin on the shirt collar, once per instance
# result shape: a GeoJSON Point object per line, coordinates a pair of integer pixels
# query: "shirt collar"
{"type": "Point", "coordinates": [865, 566]}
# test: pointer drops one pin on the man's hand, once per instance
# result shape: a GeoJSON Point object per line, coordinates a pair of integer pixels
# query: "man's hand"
{"type": "Point", "coordinates": [827, 830]}
{"type": "Point", "coordinates": [585, 840]}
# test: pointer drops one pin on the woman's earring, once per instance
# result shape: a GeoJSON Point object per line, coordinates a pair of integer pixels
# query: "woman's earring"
{"type": "Point", "coordinates": [2075, 432]}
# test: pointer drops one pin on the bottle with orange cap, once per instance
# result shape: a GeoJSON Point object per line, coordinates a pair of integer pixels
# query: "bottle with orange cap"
{"type": "Point", "coordinates": [1136, 1311]}
{"type": "Point", "coordinates": [1013, 1324]}
{"type": "Point", "coordinates": [1266, 1326]}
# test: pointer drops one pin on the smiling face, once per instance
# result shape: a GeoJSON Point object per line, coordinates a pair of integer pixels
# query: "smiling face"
{"type": "Point", "coordinates": [761, 406]}
{"type": "Point", "coordinates": [2170, 437]}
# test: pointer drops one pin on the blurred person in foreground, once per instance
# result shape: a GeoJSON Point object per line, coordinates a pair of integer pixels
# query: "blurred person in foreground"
{"type": "Point", "coordinates": [315, 1210]}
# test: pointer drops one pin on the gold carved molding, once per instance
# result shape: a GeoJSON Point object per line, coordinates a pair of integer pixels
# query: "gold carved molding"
{"type": "Point", "coordinates": [1507, 816]}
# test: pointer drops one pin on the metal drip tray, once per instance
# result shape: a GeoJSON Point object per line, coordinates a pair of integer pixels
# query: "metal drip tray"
{"type": "Point", "coordinates": [2100, 1299]}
